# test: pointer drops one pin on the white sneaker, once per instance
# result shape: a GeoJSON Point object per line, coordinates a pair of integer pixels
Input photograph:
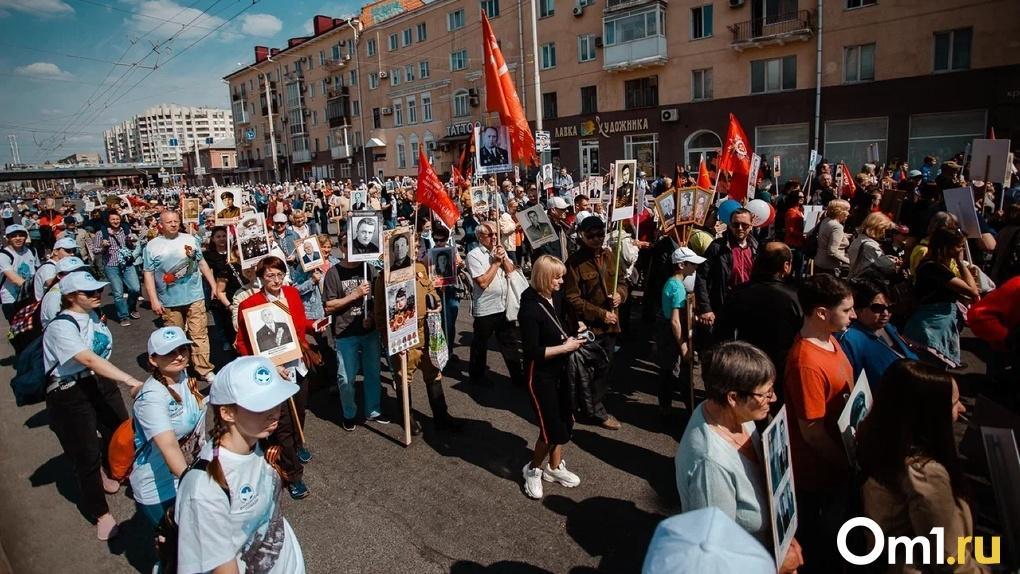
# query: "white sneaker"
{"type": "Point", "coordinates": [560, 475]}
{"type": "Point", "coordinates": [532, 481]}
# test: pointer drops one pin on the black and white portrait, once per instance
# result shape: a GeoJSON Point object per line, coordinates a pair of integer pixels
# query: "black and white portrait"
{"type": "Point", "coordinates": [779, 478]}
{"type": "Point", "coordinates": [359, 201]}
{"type": "Point", "coordinates": [363, 235]}
{"type": "Point", "coordinates": [271, 331]}
{"type": "Point", "coordinates": [537, 226]}
{"type": "Point", "coordinates": [480, 200]}
{"type": "Point", "coordinates": [310, 254]}
{"type": "Point", "coordinates": [252, 238]}
{"type": "Point", "coordinates": [442, 266]}
{"type": "Point", "coordinates": [190, 208]}
{"type": "Point", "coordinates": [702, 203]}
{"type": "Point", "coordinates": [686, 198]}
{"type": "Point", "coordinates": [227, 205]}
{"type": "Point", "coordinates": [665, 209]}
{"type": "Point", "coordinates": [856, 408]}
{"type": "Point", "coordinates": [397, 261]}
{"type": "Point", "coordinates": [492, 154]}
{"type": "Point", "coordinates": [623, 189]}
{"type": "Point", "coordinates": [401, 316]}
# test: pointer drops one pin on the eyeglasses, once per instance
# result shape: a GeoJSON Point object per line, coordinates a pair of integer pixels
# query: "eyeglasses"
{"type": "Point", "coordinates": [274, 276]}
{"type": "Point", "coordinates": [878, 308]}
{"type": "Point", "coordinates": [739, 225]}
{"type": "Point", "coordinates": [764, 396]}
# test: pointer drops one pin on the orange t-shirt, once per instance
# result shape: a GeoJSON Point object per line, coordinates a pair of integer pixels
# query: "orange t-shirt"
{"type": "Point", "coordinates": [818, 384]}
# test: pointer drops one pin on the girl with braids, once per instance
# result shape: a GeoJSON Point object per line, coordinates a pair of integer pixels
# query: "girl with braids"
{"type": "Point", "coordinates": [229, 518]}
{"type": "Point", "coordinates": [169, 423]}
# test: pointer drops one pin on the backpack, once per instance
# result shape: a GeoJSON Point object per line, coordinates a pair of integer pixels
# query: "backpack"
{"type": "Point", "coordinates": [29, 384]}
{"type": "Point", "coordinates": [810, 248]}
{"type": "Point", "coordinates": [120, 454]}
{"type": "Point", "coordinates": [167, 529]}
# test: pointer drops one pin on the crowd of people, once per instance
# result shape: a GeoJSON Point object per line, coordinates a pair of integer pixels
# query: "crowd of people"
{"type": "Point", "coordinates": [787, 311]}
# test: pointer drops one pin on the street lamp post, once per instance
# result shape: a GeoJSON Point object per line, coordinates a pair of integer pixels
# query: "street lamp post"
{"type": "Point", "coordinates": [361, 108]}
{"type": "Point", "coordinates": [269, 107]}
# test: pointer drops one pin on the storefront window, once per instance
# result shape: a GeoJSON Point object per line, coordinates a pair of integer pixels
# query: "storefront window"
{"type": "Point", "coordinates": [643, 148]}
{"type": "Point", "coordinates": [701, 142]}
{"type": "Point", "coordinates": [589, 158]}
{"type": "Point", "coordinates": [943, 135]}
{"type": "Point", "coordinates": [848, 140]}
{"type": "Point", "coordinates": [790, 143]}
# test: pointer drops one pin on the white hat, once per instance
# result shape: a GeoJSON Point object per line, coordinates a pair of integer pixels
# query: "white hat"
{"type": "Point", "coordinates": [705, 541]}
{"type": "Point", "coordinates": [686, 255]}
{"type": "Point", "coordinates": [280, 218]}
{"type": "Point", "coordinates": [15, 228]}
{"type": "Point", "coordinates": [558, 202]}
{"type": "Point", "coordinates": [65, 243]}
{"type": "Point", "coordinates": [69, 264]}
{"type": "Point", "coordinates": [252, 383]}
{"type": "Point", "coordinates": [80, 281]}
{"type": "Point", "coordinates": [166, 339]}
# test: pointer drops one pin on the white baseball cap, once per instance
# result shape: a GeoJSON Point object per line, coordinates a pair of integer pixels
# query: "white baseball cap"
{"type": "Point", "coordinates": [252, 383]}
{"type": "Point", "coordinates": [708, 542]}
{"type": "Point", "coordinates": [65, 243]}
{"type": "Point", "coordinates": [686, 255]}
{"type": "Point", "coordinates": [166, 339]}
{"type": "Point", "coordinates": [69, 264]}
{"type": "Point", "coordinates": [15, 228]}
{"type": "Point", "coordinates": [558, 202]}
{"type": "Point", "coordinates": [80, 281]}
{"type": "Point", "coordinates": [279, 218]}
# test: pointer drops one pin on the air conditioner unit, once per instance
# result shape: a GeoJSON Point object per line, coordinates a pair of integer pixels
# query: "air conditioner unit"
{"type": "Point", "coordinates": [386, 111]}
{"type": "Point", "coordinates": [431, 146]}
{"type": "Point", "coordinates": [669, 115]}
{"type": "Point", "coordinates": [383, 74]}
{"type": "Point", "coordinates": [347, 57]}
{"type": "Point", "coordinates": [736, 3]}
{"type": "Point", "coordinates": [307, 113]}
{"type": "Point", "coordinates": [578, 10]}
{"type": "Point", "coordinates": [598, 41]}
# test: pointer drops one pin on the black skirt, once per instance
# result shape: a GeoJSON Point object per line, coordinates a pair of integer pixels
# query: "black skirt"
{"type": "Point", "coordinates": [550, 397]}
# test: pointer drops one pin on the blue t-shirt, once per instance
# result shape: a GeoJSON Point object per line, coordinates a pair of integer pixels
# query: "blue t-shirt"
{"type": "Point", "coordinates": [174, 266]}
{"type": "Point", "coordinates": [674, 296]}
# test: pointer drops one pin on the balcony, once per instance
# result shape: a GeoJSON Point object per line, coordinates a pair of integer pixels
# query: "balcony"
{"type": "Point", "coordinates": [335, 65]}
{"type": "Point", "coordinates": [341, 151]}
{"type": "Point", "coordinates": [772, 30]}
{"type": "Point", "coordinates": [616, 5]}
{"type": "Point", "coordinates": [644, 53]}
{"type": "Point", "coordinates": [301, 156]}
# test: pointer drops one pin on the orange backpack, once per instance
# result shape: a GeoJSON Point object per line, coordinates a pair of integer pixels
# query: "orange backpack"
{"type": "Point", "coordinates": [121, 452]}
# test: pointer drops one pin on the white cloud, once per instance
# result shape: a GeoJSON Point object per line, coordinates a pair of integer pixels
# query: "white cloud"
{"type": "Point", "coordinates": [50, 111]}
{"type": "Point", "coordinates": [262, 25]}
{"type": "Point", "coordinates": [43, 70]}
{"type": "Point", "coordinates": [36, 7]}
{"type": "Point", "coordinates": [160, 19]}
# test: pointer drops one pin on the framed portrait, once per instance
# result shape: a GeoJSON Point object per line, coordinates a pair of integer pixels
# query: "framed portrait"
{"type": "Point", "coordinates": [480, 199]}
{"type": "Point", "coordinates": [398, 265]}
{"type": "Point", "coordinates": [364, 236]}
{"type": "Point", "coordinates": [857, 407]}
{"type": "Point", "coordinates": [536, 225]}
{"type": "Point", "coordinates": [191, 207]}
{"type": "Point", "coordinates": [359, 200]}
{"type": "Point", "coordinates": [336, 212]}
{"type": "Point", "coordinates": [124, 204]}
{"type": "Point", "coordinates": [547, 176]}
{"type": "Point", "coordinates": [272, 334]}
{"type": "Point", "coordinates": [401, 316]}
{"type": "Point", "coordinates": [252, 238]}
{"type": "Point", "coordinates": [309, 254]}
{"type": "Point", "coordinates": [582, 187]}
{"type": "Point", "coordinates": [227, 205]}
{"type": "Point", "coordinates": [685, 212]}
{"type": "Point", "coordinates": [779, 477]}
{"type": "Point", "coordinates": [665, 210]}
{"type": "Point", "coordinates": [622, 205]}
{"type": "Point", "coordinates": [442, 266]}
{"type": "Point", "coordinates": [595, 186]}
{"type": "Point", "coordinates": [492, 150]}
{"type": "Point", "coordinates": [702, 203]}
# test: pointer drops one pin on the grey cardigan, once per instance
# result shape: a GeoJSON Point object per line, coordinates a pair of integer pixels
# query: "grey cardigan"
{"type": "Point", "coordinates": [832, 244]}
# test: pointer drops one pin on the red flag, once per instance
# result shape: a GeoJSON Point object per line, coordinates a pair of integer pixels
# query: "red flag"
{"type": "Point", "coordinates": [736, 159]}
{"type": "Point", "coordinates": [704, 180]}
{"type": "Point", "coordinates": [432, 194]}
{"type": "Point", "coordinates": [501, 96]}
{"type": "Point", "coordinates": [848, 188]}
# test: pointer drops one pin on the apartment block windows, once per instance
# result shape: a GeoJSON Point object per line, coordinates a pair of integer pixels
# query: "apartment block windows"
{"type": "Point", "coordinates": [491, 8]}
{"type": "Point", "coordinates": [354, 77]}
{"type": "Point", "coordinates": [586, 48]}
{"type": "Point", "coordinates": [458, 60]}
{"type": "Point", "coordinates": [412, 110]}
{"type": "Point", "coordinates": [396, 75]}
{"type": "Point", "coordinates": [401, 153]}
{"type": "Point", "coordinates": [376, 118]}
{"type": "Point", "coordinates": [774, 75]}
{"type": "Point", "coordinates": [549, 106]}
{"type": "Point", "coordinates": [371, 47]}
{"type": "Point", "coordinates": [631, 27]}
{"type": "Point", "coordinates": [851, 4]}
{"type": "Point", "coordinates": [859, 63]}
{"type": "Point", "coordinates": [356, 108]}
{"type": "Point", "coordinates": [413, 140]}
{"type": "Point", "coordinates": [335, 52]}
{"type": "Point", "coordinates": [394, 42]}
{"type": "Point", "coordinates": [701, 22]}
{"type": "Point", "coordinates": [546, 8]}
{"type": "Point", "coordinates": [426, 108]}
{"type": "Point", "coordinates": [423, 69]}
{"type": "Point", "coordinates": [641, 92]}
{"type": "Point", "coordinates": [407, 37]}
{"type": "Point", "coordinates": [952, 49]}
{"type": "Point", "coordinates": [701, 84]}
{"type": "Point", "coordinates": [589, 100]}
{"type": "Point", "coordinates": [373, 80]}
{"type": "Point", "coordinates": [548, 55]}
{"type": "Point", "coordinates": [461, 103]}
{"type": "Point", "coordinates": [398, 113]}
{"type": "Point", "coordinates": [455, 20]}
{"type": "Point", "coordinates": [422, 32]}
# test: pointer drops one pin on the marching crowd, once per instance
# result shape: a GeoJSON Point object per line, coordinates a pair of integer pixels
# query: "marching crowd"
{"type": "Point", "coordinates": [786, 311]}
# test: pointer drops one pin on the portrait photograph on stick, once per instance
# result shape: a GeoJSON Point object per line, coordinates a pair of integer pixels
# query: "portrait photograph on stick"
{"type": "Point", "coordinates": [227, 205]}
{"type": "Point", "coordinates": [687, 197]}
{"type": "Point", "coordinates": [702, 203]}
{"type": "Point", "coordinates": [857, 407]}
{"type": "Point", "coordinates": [271, 331]}
{"type": "Point", "coordinates": [359, 200]}
{"type": "Point", "coordinates": [442, 266]}
{"type": "Point", "coordinates": [252, 238]}
{"type": "Point", "coordinates": [536, 225]}
{"type": "Point", "coordinates": [623, 190]}
{"type": "Point", "coordinates": [309, 254]}
{"type": "Point", "coordinates": [665, 209]}
{"type": "Point", "coordinates": [401, 316]}
{"type": "Point", "coordinates": [397, 264]}
{"type": "Point", "coordinates": [779, 478]}
{"type": "Point", "coordinates": [479, 200]}
{"type": "Point", "coordinates": [492, 153]}
{"type": "Point", "coordinates": [364, 236]}
{"type": "Point", "coordinates": [190, 209]}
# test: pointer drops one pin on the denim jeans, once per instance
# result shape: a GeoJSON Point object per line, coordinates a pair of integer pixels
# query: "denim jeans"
{"type": "Point", "coordinates": [359, 352]}
{"type": "Point", "coordinates": [122, 278]}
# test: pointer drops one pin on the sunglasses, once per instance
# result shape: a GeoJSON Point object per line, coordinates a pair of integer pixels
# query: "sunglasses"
{"type": "Point", "coordinates": [878, 308]}
{"type": "Point", "coordinates": [739, 225]}
{"type": "Point", "coordinates": [92, 293]}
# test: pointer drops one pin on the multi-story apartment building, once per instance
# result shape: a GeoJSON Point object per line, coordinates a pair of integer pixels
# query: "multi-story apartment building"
{"type": "Point", "coordinates": [641, 79]}
{"type": "Point", "coordinates": [163, 133]}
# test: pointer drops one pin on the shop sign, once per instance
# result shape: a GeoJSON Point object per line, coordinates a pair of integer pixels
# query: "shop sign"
{"type": "Point", "coordinates": [596, 126]}
{"type": "Point", "coordinates": [461, 129]}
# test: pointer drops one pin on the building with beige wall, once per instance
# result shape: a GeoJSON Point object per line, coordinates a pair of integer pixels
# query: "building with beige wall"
{"type": "Point", "coordinates": [641, 79]}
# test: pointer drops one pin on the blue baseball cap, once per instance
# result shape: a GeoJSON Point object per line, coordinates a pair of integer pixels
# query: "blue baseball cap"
{"type": "Point", "coordinates": [166, 339]}
{"type": "Point", "coordinates": [705, 541]}
{"type": "Point", "coordinates": [252, 383]}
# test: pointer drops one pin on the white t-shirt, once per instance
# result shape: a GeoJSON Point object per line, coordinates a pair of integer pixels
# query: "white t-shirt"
{"type": "Point", "coordinates": [50, 305]}
{"type": "Point", "coordinates": [248, 527]}
{"type": "Point", "coordinates": [62, 341]}
{"type": "Point", "coordinates": [492, 299]}
{"type": "Point", "coordinates": [23, 264]}
{"type": "Point", "coordinates": [46, 272]}
{"type": "Point", "coordinates": [155, 411]}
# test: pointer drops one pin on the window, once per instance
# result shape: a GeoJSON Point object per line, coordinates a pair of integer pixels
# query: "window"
{"type": "Point", "coordinates": [859, 63]}
{"type": "Point", "coordinates": [589, 100]}
{"type": "Point", "coordinates": [325, 86]}
{"type": "Point", "coordinates": [371, 47]}
{"type": "Point", "coordinates": [409, 72]}
{"type": "Point", "coordinates": [952, 50]}
{"type": "Point", "coordinates": [393, 42]}
{"type": "Point", "coordinates": [354, 78]}
{"type": "Point", "coordinates": [548, 55]}
{"type": "Point", "coordinates": [401, 153]}
{"type": "Point", "coordinates": [943, 135]}
{"type": "Point", "coordinates": [630, 27]}
{"type": "Point", "coordinates": [491, 8]}
{"type": "Point", "coordinates": [398, 113]}
{"type": "Point", "coordinates": [641, 93]}
{"type": "Point", "coordinates": [701, 84]}
{"type": "Point", "coordinates": [546, 8]}
{"type": "Point", "coordinates": [461, 103]}
{"type": "Point", "coordinates": [430, 145]}
{"type": "Point", "coordinates": [412, 110]}
{"type": "Point", "coordinates": [701, 22]}
{"type": "Point", "coordinates": [774, 75]}
{"type": "Point", "coordinates": [549, 106]}
{"type": "Point", "coordinates": [455, 20]}
{"type": "Point", "coordinates": [356, 108]}
{"type": "Point", "coordinates": [643, 148]}
{"type": "Point", "coordinates": [322, 58]}
{"type": "Point", "coordinates": [848, 140]}
{"type": "Point", "coordinates": [315, 118]}
{"type": "Point", "coordinates": [423, 69]}
{"type": "Point", "coordinates": [422, 32]}
{"type": "Point", "coordinates": [312, 90]}
{"type": "Point", "coordinates": [458, 60]}
{"type": "Point", "coordinates": [413, 140]}
{"type": "Point", "coordinates": [426, 108]}
{"type": "Point", "coordinates": [407, 37]}
{"type": "Point", "coordinates": [586, 48]}
{"type": "Point", "coordinates": [376, 118]}
{"type": "Point", "coordinates": [789, 142]}
{"type": "Point", "coordinates": [701, 142]}
{"type": "Point", "coordinates": [851, 4]}
{"type": "Point", "coordinates": [395, 76]}
{"type": "Point", "coordinates": [335, 52]}
{"type": "Point", "coordinates": [373, 80]}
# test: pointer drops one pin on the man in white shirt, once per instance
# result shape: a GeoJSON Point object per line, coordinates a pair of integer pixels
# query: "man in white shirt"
{"type": "Point", "coordinates": [489, 265]}
{"type": "Point", "coordinates": [17, 265]}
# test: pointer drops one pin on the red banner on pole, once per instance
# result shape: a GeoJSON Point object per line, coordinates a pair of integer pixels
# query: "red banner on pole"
{"type": "Point", "coordinates": [736, 159]}
{"type": "Point", "coordinates": [432, 194]}
{"type": "Point", "coordinates": [501, 96]}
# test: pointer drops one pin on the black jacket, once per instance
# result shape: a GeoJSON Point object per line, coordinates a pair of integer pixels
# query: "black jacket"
{"type": "Point", "coordinates": [539, 331]}
{"type": "Point", "coordinates": [763, 312]}
{"type": "Point", "coordinates": [711, 285]}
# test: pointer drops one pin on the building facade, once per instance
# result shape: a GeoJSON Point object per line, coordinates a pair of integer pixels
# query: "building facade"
{"type": "Point", "coordinates": [121, 143]}
{"type": "Point", "coordinates": [163, 133]}
{"type": "Point", "coordinates": [216, 162]}
{"type": "Point", "coordinates": [636, 79]}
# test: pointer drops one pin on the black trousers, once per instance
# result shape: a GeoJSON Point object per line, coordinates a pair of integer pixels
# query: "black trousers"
{"type": "Point", "coordinates": [509, 338]}
{"type": "Point", "coordinates": [287, 436]}
{"type": "Point", "coordinates": [92, 404]}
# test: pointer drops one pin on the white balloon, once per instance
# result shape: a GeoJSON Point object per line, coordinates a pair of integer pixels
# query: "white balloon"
{"type": "Point", "coordinates": [760, 211]}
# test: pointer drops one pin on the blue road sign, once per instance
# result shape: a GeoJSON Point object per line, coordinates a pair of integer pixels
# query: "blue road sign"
{"type": "Point", "coordinates": [250, 134]}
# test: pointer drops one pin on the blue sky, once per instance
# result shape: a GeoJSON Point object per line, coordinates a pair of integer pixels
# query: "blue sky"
{"type": "Point", "coordinates": [58, 61]}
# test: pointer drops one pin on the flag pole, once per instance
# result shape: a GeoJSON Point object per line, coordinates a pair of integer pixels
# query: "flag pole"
{"type": "Point", "coordinates": [405, 399]}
